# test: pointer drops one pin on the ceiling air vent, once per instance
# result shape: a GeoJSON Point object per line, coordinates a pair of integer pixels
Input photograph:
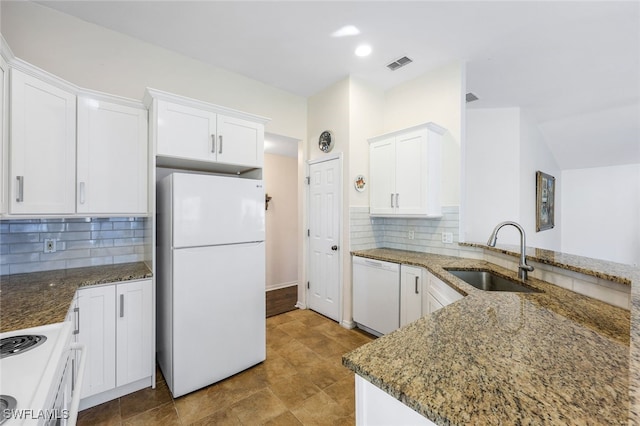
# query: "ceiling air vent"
{"type": "Point", "coordinates": [399, 63]}
{"type": "Point", "coordinates": [471, 97]}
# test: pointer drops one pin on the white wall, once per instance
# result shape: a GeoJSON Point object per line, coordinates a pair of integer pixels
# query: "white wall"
{"type": "Point", "coordinates": [492, 177]}
{"type": "Point", "coordinates": [503, 151]}
{"type": "Point", "coordinates": [436, 96]}
{"type": "Point", "coordinates": [280, 175]}
{"type": "Point", "coordinates": [601, 213]}
{"type": "Point", "coordinates": [536, 155]}
{"type": "Point", "coordinates": [366, 111]}
{"type": "Point", "coordinates": [97, 58]}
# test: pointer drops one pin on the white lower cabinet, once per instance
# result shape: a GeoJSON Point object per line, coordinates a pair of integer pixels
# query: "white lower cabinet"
{"type": "Point", "coordinates": [376, 407]}
{"type": "Point", "coordinates": [422, 293]}
{"type": "Point", "coordinates": [115, 322]}
{"type": "Point", "coordinates": [439, 295]}
{"type": "Point", "coordinates": [411, 283]}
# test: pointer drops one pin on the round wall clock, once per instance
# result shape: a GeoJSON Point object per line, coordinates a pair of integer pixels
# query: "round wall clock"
{"type": "Point", "coordinates": [325, 141]}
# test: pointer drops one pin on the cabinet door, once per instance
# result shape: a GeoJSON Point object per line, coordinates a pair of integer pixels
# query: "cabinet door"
{"type": "Point", "coordinates": [186, 132]}
{"type": "Point", "coordinates": [431, 304]}
{"type": "Point", "coordinates": [410, 294]}
{"type": "Point", "coordinates": [382, 171]}
{"type": "Point", "coordinates": [4, 160]}
{"type": "Point", "coordinates": [240, 141]}
{"type": "Point", "coordinates": [411, 173]}
{"type": "Point", "coordinates": [442, 292]}
{"type": "Point", "coordinates": [42, 146]}
{"type": "Point", "coordinates": [98, 332]}
{"type": "Point", "coordinates": [112, 158]}
{"type": "Point", "coordinates": [134, 330]}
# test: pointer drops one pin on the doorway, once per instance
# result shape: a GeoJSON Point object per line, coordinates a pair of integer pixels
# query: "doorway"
{"type": "Point", "coordinates": [325, 205]}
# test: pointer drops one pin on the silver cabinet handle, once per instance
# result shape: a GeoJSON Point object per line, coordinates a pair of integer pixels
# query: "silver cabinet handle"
{"type": "Point", "coordinates": [20, 189]}
{"type": "Point", "coordinates": [81, 192]}
{"type": "Point", "coordinates": [213, 144]}
{"type": "Point", "coordinates": [121, 305]}
{"type": "Point", "coordinates": [220, 144]}
{"type": "Point", "coordinates": [73, 374]}
{"type": "Point", "coordinates": [397, 200]}
{"type": "Point", "coordinates": [392, 200]}
{"type": "Point", "coordinates": [77, 312]}
{"type": "Point", "coordinates": [417, 285]}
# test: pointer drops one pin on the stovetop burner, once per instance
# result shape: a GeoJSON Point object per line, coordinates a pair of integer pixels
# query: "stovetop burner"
{"type": "Point", "coordinates": [7, 403]}
{"type": "Point", "coordinates": [14, 345]}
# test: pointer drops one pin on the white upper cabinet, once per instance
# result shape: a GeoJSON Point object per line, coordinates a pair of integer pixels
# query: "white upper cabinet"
{"type": "Point", "coordinates": [112, 158]}
{"type": "Point", "coordinates": [382, 181]}
{"type": "Point", "coordinates": [186, 132]}
{"type": "Point", "coordinates": [405, 172]}
{"type": "Point", "coordinates": [191, 134]}
{"type": "Point", "coordinates": [240, 141]}
{"type": "Point", "coordinates": [42, 146]}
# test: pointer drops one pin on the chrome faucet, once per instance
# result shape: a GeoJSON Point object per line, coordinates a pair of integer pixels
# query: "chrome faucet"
{"type": "Point", "coordinates": [523, 268]}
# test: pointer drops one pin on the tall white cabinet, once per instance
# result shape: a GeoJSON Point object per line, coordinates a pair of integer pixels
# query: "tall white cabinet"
{"type": "Point", "coordinates": [405, 170]}
{"type": "Point", "coordinates": [42, 146]}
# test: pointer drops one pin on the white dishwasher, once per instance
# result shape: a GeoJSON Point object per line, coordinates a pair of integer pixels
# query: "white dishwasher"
{"type": "Point", "coordinates": [376, 295]}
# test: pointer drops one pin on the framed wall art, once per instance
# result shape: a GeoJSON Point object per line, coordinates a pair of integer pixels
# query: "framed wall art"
{"type": "Point", "coordinates": [545, 201]}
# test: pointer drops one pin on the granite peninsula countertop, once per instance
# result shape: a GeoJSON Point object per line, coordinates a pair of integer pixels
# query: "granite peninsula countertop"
{"type": "Point", "coordinates": [555, 357]}
{"type": "Point", "coordinates": [41, 298]}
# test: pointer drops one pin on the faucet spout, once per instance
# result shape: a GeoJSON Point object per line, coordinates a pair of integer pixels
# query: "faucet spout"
{"type": "Point", "coordinates": [523, 268]}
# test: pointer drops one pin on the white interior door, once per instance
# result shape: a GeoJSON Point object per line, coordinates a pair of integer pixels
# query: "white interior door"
{"type": "Point", "coordinates": [324, 239]}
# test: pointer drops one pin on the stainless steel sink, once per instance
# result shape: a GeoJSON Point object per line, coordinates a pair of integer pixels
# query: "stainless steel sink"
{"type": "Point", "coordinates": [488, 281]}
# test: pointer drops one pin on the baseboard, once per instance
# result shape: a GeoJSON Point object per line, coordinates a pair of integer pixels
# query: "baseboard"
{"type": "Point", "coordinates": [109, 395]}
{"type": "Point", "coordinates": [301, 305]}
{"type": "Point", "coordinates": [369, 330]}
{"type": "Point", "coordinates": [349, 325]}
{"type": "Point", "coordinates": [282, 285]}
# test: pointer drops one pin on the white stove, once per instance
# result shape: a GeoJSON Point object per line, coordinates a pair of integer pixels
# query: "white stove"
{"type": "Point", "coordinates": [36, 376]}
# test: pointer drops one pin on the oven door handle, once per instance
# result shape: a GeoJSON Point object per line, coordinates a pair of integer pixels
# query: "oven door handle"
{"type": "Point", "coordinates": [75, 400]}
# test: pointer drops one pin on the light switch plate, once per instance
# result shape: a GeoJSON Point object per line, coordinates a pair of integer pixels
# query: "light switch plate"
{"type": "Point", "coordinates": [447, 237]}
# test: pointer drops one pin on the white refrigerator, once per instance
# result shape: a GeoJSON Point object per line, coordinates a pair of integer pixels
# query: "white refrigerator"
{"type": "Point", "coordinates": [211, 278]}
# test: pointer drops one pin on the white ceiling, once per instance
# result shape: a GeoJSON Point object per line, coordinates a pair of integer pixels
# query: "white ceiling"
{"type": "Point", "coordinates": [575, 66]}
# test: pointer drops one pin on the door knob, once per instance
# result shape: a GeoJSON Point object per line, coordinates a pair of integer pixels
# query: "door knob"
{"type": "Point", "coordinates": [334, 248]}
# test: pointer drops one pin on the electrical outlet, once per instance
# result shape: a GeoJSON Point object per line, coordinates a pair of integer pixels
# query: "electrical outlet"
{"type": "Point", "coordinates": [411, 235]}
{"type": "Point", "coordinates": [447, 237]}
{"type": "Point", "coordinates": [49, 246]}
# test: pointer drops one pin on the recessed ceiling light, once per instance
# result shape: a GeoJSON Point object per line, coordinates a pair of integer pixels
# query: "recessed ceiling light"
{"type": "Point", "coordinates": [347, 30]}
{"type": "Point", "coordinates": [363, 50]}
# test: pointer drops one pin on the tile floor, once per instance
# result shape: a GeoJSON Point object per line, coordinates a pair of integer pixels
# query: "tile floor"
{"type": "Point", "coordinates": [301, 382]}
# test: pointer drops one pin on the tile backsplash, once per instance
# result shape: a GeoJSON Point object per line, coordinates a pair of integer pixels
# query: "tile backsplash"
{"type": "Point", "coordinates": [374, 232]}
{"type": "Point", "coordinates": [79, 242]}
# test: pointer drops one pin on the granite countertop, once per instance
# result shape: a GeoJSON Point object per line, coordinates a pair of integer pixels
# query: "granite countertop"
{"type": "Point", "coordinates": [41, 298]}
{"type": "Point", "coordinates": [554, 357]}
{"type": "Point", "coordinates": [612, 271]}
